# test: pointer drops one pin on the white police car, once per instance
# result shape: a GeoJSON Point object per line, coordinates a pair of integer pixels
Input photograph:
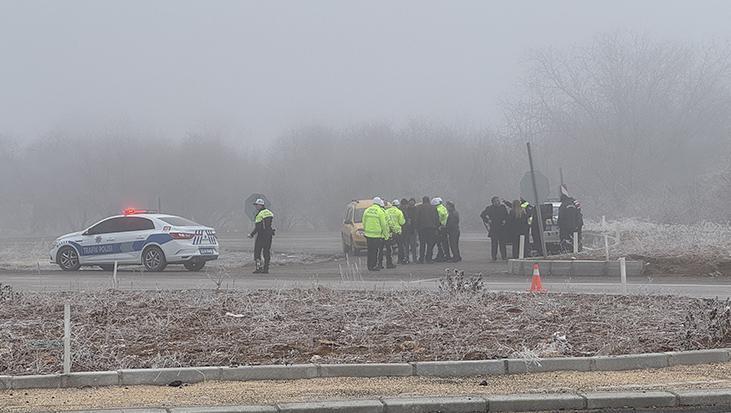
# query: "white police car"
{"type": "Point", "coordinates": [137, 237]}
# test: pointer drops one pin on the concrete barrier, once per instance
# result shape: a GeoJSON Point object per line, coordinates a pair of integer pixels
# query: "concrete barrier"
{"type": "Point", "coordinates": [460, 368]}
{"type": "Point", "coordinates": [91, 379]}
{"type": "Point", "coordinates": [516, 366]}
{"type": "Point", "coordinates": [435, 404]}
{"type": "Point", "coordinates": [366, 370]}
{"type": "Point", "coordinates": [142, 410]}
{"type": "Point", "coordinates": [289, 372]}
{"type": "Point", "coordinates": [634, 400]}
{"type": "Point", "coordinates": [466, 368]}
{"type": "Point", "coordinates": [50, 381]}
{"type": "Point", "coordinates": [535, 402]}
{"type": "Point", "coordinates": [717, 399]}
{"type": "Point", "coordinates": [679, 358]}
{"type": "Point", "coordinates": [710, 397]}
{"type": "Point", "coordinates": [345, 406]}
{"type": "Point", "coordinates": [630, 362]}
{"type": "Point", "coordinates": [163, 377]}
{"type": "Point", "coordinates": [225, 409]}
{"type": "Point", "coordinates": [574, 268]}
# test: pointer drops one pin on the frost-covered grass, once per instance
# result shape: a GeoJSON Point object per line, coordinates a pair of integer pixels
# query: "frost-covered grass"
{"type": "Point", "coordinates": [22, 255]}
{"type": "Point", "coordinates": [636, 237]}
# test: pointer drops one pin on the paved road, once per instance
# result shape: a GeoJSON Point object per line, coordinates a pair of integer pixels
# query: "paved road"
{"type": "Point", "coordinates": [325, 266]}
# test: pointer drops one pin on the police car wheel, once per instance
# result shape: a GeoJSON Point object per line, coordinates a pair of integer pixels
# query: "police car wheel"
{"type": "Point", "coordinates": [154, 259]}
{"type": "Point", "coordinates": [68, 259]}
{"type": "Point", "coordinates": [194, 265]}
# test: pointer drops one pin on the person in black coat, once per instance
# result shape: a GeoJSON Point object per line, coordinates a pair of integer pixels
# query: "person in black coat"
{"type": "Point", "coordinates": [496, 218]}
{"type": "Point", "coordinates": [453, 231]}
{"type": "Point", "coordinates": [427, 222]}
{"type": "Point", "coordinates": [568, 221]}
{"type": "Point", "coordinates": [517, 226]}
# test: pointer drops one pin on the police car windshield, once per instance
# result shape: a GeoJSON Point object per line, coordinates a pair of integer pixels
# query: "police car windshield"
{"type": "Point", "coordinates": [359, 215]}
{"type": "Point", "coordinates": [179, 222]}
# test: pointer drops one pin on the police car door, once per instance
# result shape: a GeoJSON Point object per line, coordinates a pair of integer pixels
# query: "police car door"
{"type": "Point", "coordinates": [100, 243]}
{"type": "Point", "coordinates": [132, 240]}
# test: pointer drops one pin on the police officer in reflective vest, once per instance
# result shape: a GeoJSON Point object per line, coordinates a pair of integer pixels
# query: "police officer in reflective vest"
{"type": "Point", "coordinates": [264, 233]}
{"type": "Point", "coordinates": [376, 229]}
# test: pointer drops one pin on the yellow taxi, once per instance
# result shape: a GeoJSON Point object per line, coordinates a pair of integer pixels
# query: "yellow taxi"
{"type": "Point", "coordinates": [352, 233]}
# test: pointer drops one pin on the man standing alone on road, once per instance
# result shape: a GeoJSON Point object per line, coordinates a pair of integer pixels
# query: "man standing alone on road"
{"type": "Point", "coordinates": [264, 233]}
{"type": "Point", "coordinates": [496, 217]}
{"type": "Point", "coordinates": [375, 227]}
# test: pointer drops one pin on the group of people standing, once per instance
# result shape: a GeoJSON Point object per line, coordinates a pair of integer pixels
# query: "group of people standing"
{"type": "Point", "coordinates": [508, 221]}
{"type": "Point", "coordinates": [404, 224]}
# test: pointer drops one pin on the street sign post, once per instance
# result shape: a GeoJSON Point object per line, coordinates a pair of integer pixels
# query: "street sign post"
{"type": "Point", "coordinates": [538, 200]}
{"type": "Point", "coordinates": [542, 187]}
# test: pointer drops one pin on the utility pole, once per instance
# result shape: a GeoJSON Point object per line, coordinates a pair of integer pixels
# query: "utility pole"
{"type": "Point", "coordinates": [538, 205]}
{"type": "Point", "coordinates": [560, 172]}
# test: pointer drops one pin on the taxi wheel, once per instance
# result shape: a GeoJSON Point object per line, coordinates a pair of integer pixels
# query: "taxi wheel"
{"type": "Point", "coordinates": [68, 259]}
{"type": "Point", "coordinates": [154, 259]}
{"type": "Point", "coordinates": [194, 266]}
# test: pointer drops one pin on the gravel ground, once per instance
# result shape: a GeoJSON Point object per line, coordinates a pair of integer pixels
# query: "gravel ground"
{"type": "Point", "coordinates": [270, 392]}
{"type": "Point", "coordinates": [113, 330]}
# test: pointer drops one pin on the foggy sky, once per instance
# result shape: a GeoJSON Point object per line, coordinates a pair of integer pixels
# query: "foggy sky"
{"type": "Point", "coordinates": [257, 68]}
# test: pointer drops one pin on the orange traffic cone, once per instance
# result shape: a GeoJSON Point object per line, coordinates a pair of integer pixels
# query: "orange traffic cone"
{"type": "Point", "coordinates": [535, 284]}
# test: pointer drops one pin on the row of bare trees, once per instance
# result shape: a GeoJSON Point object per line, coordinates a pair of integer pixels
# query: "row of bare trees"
{"type": "Point", "coordinates": [641, 128]}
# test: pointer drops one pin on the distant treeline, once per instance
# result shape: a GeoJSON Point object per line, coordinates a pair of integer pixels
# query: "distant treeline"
{"type": "Point", "coordinates": [640, 128]}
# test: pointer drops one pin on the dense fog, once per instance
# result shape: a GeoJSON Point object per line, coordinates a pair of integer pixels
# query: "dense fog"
{"type": "Point", "coordinates": [641, 128]}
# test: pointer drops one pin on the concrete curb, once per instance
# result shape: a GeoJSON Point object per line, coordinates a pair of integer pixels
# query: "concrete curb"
{"type": "Point", "coordinates": [573, 268]}
{"type": "Point", "coordinates": [465, 368]}
{"type": "Point", "coordinates": [693, 399]}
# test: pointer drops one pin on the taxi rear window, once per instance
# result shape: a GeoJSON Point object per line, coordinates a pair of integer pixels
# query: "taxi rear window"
{"type": "Point", "coordinates": [179, 222]}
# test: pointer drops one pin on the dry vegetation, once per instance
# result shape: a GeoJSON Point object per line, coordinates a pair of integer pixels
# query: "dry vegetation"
{"type": "Point", "coordinates": [700, 249]}
{"type": "Point", "coordinates": [113, 329]}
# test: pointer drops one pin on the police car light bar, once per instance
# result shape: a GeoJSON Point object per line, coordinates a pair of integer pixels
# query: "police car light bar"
{"type": "Point", "coordinates": [132, 211]}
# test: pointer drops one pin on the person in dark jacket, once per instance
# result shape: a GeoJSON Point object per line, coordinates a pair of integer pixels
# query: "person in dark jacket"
{"type": "Point", "coordinates": [264, 232]}
{"type": "Point", "coordinates": [579, 224]}
{"type": "Point", "coordinates": [453, 231]}
{"type": "Point", "coordinates": [517, 226]}
{"type": "Point", "coordinates": [427, 222]}
{"type": "Point", "coordinates": [567, 222]}
{"type": "Point", "coordinates": [408, 232]}
{"type": "Point", "coordinates": [496, 217]}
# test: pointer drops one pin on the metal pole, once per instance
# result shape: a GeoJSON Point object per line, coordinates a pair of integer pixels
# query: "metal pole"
{"type": "Point", "coordinates": [66, 338]}
{"type": "Point", "coordinates": [521, 251]}
{"type": "Point", "coordinates": [114, 277]}
{"type": "Point", "coordinates": [159, 204]}
{"type": "Point", "coordinates": [560, 172]}
{"type": "Point", "coordinates": [538, 206]}
{"type": "Point", "coordinates": [606, 246]}
{"type": "Point", "coordinates": [623, 274]}
{"type": "Point", "coordinates": [576, 242]}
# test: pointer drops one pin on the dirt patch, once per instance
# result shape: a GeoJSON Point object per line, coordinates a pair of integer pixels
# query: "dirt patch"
{"type": "Point", "coordinates": [113, 329]}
